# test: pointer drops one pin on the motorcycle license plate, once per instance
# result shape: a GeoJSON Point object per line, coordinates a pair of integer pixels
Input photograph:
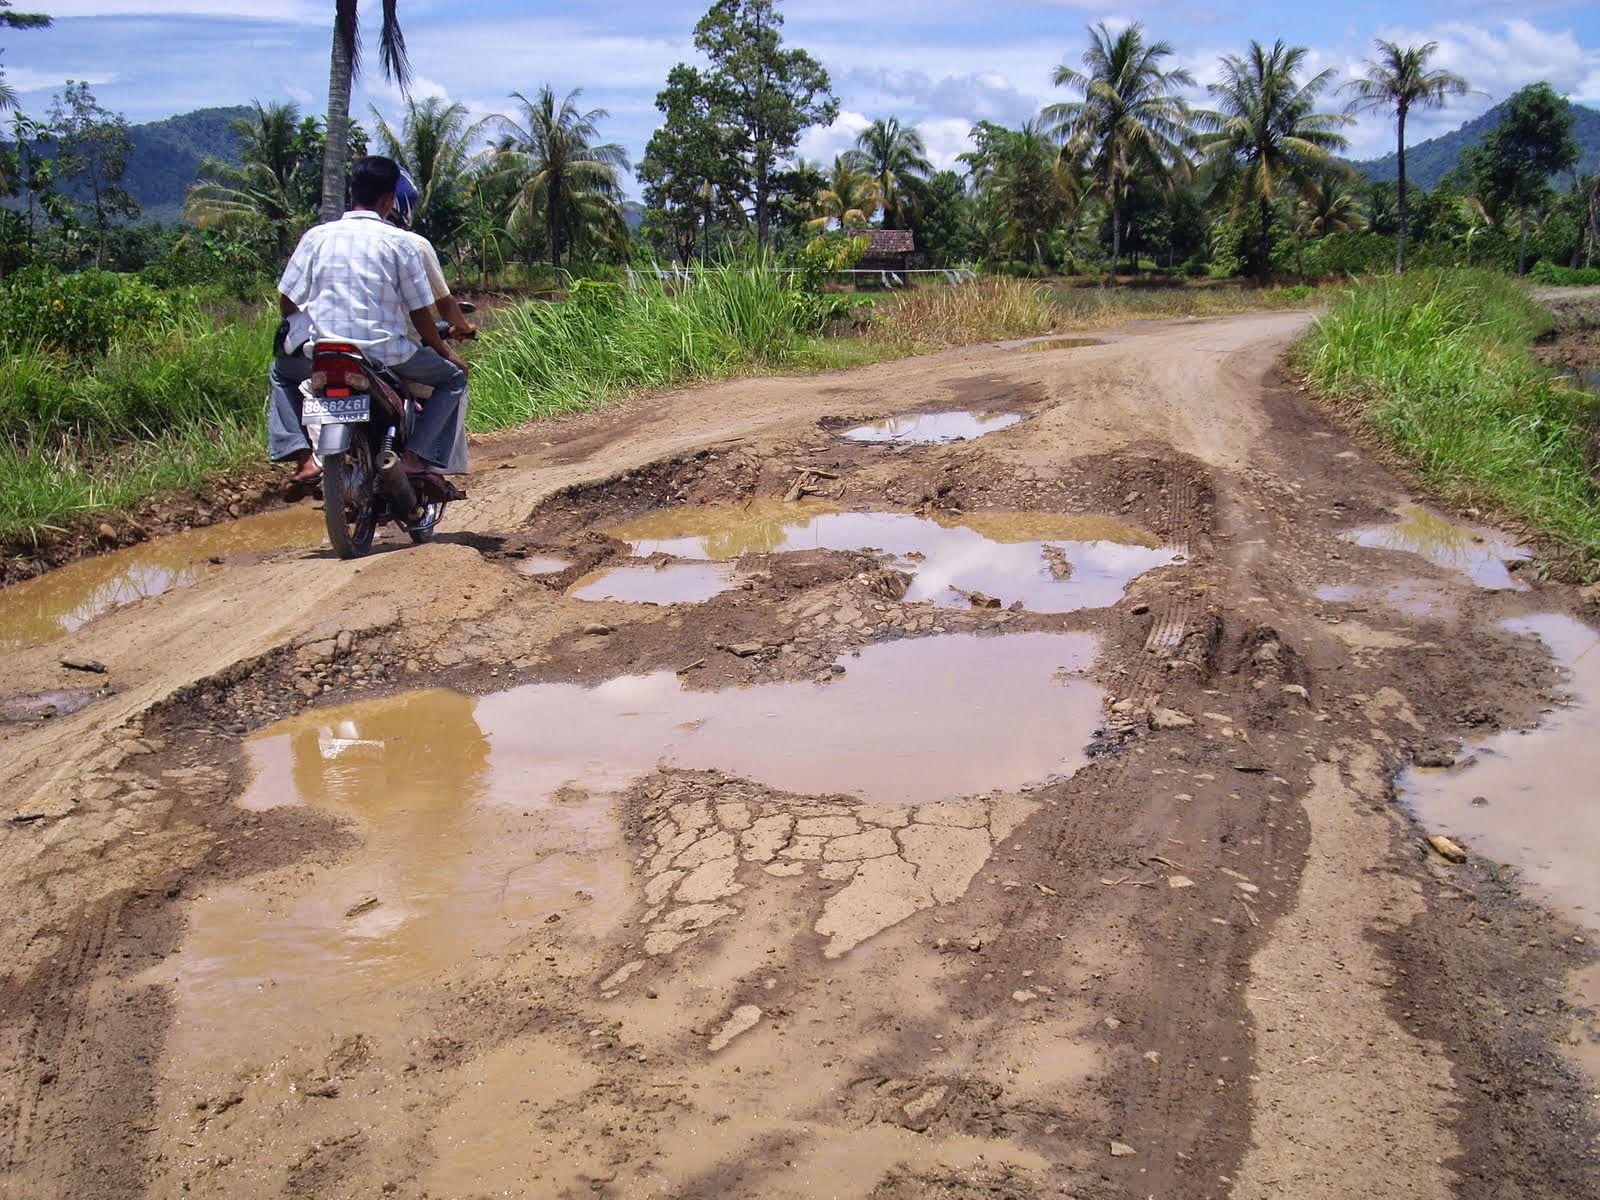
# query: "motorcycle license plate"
{"type": "Point", "coordinates": [335, 410]}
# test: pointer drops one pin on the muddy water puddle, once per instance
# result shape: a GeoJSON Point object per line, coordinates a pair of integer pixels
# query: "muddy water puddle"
{"type": "Point", "coordinates": [655, 583]}
{"type": "Point", "coordinates": [1050, 562]}
{"type": "Point", "coordinates": [1528, 798]}
{"type": "Point", "coordinates": [61, 601]}
{"type": "Point", "coordinates": [924, 429]}
{"type": "Point", "coordinates": [480, 818]}
{"type": "Point", "coordinates": [542, 564]}
{"type": "Point", "coordinates": [1059, 343]}
{"type": "Point", "coordinates": [1412, 598]}
{"type": "Point", "coordinates": [1479, 554]}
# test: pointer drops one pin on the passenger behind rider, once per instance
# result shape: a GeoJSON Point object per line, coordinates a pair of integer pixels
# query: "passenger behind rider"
{"type": "Point", "coordinates": [363, 281]}
{"type": "Point", "coordinates": [406, 200]}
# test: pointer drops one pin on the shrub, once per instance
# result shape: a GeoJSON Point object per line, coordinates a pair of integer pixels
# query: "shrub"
{"type": "Point", "coordinates": [1546, 272]}
{"type": "Point", "coordinates": [80, 315]}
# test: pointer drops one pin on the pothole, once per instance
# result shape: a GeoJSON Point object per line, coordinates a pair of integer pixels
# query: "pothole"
{"type": "Point", "coordinates": [655, 583]}
{"type": "Point", "coordinates": [1479, 554]}
{"type": "Point", "coordinates": [481, 818]}
{"type": "Point", "coordinates": [1411, 597]}
{"type": "Point", "coordinates": [1059, 343]}
{"type": "Point", "coordinates": [920, 429]}
{"type": "Point", "coordinates": [1048, 562]}
{"type": "Point", "coordinates": [542, 564]}
{"type": "Point", "coordinates": [1527, 798]}
{"type": "Point", "coordinates": [61, 601]}
{"type": "Point", "coordinates": [42, 706]}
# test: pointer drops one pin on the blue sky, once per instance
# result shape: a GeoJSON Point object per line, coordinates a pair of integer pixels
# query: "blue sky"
{"type": "Point", "coordinates": [938, 64]}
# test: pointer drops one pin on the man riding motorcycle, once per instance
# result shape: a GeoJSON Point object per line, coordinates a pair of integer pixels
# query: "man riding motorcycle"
{"type": "Point", "coordinates": [362, 281]}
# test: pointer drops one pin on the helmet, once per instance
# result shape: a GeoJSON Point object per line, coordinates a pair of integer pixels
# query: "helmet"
{"type": "Point", "coordinates": [406, 198]}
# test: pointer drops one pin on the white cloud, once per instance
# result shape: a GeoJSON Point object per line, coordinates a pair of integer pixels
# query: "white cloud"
{"type": "Point", "coordinates": [821, 144]}
{"type": "Point", "coordinates": [26, 79]}
{"type": "Point", "coordinates": [947, 139]}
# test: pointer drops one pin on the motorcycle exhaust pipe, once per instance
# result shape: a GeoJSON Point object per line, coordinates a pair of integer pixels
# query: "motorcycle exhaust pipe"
{"type": "Point", "coordinates": [401, 496]}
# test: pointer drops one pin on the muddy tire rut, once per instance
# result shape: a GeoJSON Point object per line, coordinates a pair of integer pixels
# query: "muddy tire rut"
{"type": "Point", "coordinates": [860, 877]}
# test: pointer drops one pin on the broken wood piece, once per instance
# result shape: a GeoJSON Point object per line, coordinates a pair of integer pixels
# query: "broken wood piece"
{"type": "Point", "coordinates": [1445, 848]}
{"type": "Point", "coordinates": [1162, 860]}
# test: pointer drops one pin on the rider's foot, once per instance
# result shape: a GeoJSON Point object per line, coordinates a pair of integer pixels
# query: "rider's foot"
{"type": "Point", "coordinates": [308, 468]}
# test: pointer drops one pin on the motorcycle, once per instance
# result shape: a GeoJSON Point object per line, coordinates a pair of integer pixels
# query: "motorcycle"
{"type": "Point", "coordinates": [358, 417]}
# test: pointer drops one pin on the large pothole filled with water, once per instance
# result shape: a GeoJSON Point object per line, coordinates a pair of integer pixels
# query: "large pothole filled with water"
{"type": "Point", "coordinates": [1046, 562]}
{"type": "Point", "coordinates": [1528, 798]}
{"type": "Point", "coordinates": [482, 817]}
{"type": "Point", "coordinates": [65, 599]}
{"type": "Point", "coordinates": [931, 429]}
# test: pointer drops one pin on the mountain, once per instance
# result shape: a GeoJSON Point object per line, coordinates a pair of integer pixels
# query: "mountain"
{"type": "Point", "coordinates": [1428, 162]}
{"type": "Point", "coordinates": [166, 153]}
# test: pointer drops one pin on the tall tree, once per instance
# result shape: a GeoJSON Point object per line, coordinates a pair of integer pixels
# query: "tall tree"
{"type": "Point", "coordinates": [897, 160]}
{"type": "Point", "coordinates": [433, 145]}
{"type": "Point", "coordinates": [92, 149]}
{"type": "Point", "coordinates": [763, 95]}
{"type": "Point", "coordinates": [1265, 132]}
{"type": "Point", "coordinates": [16, 20]}
{"type": "Point", "coordinates": [563, 176]}
{"type": "Point", "coordinates": [1398, 80]}
{"type": "Point", "coordinates": [1132, 121]}
{"type": "Point", "coordinates": [344, 68]}
{"type": "Point", "coordinates": [1515, 160]}
{"type": "Point", "coordinates": [265, 189]}
{"type": "Point", "coordinates": [686, 164]}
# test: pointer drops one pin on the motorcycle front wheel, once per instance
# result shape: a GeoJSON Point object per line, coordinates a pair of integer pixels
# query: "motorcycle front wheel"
{"type": "Point", "coordinates": [349, 488]}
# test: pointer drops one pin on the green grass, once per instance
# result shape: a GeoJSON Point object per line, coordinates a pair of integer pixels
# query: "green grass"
{"type": "Point", "coordinates": [159, 413]}
{"type": "Point", "coordinates": [1438, 367]}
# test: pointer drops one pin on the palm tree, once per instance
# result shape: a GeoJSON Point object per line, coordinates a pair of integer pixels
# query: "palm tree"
{"type": "Point", "coordinates": [1025, 185]}
{"type": "Point", "coordinates": [345, 66]}
{"type": "Point", "coordinates": [559, 168]}
{"type": "Point", "coordinates": [897, 160]}
{"type": "Point", "coordinates": [1332, 204]}
{"type": "Point", "coordinates": [16, 20]}
{"type": "Point", "coordinates": [1399, 80]}
{"type": "Point", "coordinates": [1264, 132]}
{"type": "Point", "coordinates": [1131, 120]}
{"type": "Point", "coordinates": [264, 188]}
{"type": "Point", "coordinates": [432, 144]}
{"type": "Point", "coordinates": [850, 196]}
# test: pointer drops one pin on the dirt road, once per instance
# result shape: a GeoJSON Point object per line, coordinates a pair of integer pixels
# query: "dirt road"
{"type": "Point", "coordinates": [1010, 817]}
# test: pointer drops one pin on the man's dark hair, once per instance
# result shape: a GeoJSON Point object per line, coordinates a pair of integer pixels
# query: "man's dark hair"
{"type": "Point", "coordinates": [372, 178]}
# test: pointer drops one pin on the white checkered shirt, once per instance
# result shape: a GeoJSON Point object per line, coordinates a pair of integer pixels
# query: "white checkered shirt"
{"type": "Point", "coordinates": [359, 279]}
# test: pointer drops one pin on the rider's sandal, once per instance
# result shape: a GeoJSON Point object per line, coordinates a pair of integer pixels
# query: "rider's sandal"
{"type": "Point", "coordinates": [299, 489]}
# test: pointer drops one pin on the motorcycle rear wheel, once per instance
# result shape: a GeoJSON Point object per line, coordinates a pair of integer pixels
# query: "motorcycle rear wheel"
{"type": "Point", "coordinates": [349, 487]}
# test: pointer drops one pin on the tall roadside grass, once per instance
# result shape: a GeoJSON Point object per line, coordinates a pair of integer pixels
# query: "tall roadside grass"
{"type": "Point", "coordinates": [163, 409]}
{"type": "Point", "coordinates": [939, 318]}
{"type": "Point", "coordinates": [1438, 366]}
{"type": "Point", "coordinates": [607, 339]}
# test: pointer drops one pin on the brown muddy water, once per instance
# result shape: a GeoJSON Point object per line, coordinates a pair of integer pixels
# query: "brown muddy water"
{"type": "Point", "coordinates": [1479, 554]}
{"type": "Point", "coordinates": [655, 583]}
{"type": "Point", "coordinates": [922, 429]}
{"type": "Point", "coordinates": [1049, 562]}
{"type": "Point", "coordinates": [1060, 343]}
{"type": "Point", "coordinates": [1413, 598]}
{"type": "Point", "coordinates": [60, 601]}
{"type": "Point", "coordinates": [1529, 798]}
{"type": "Point", "coordinates": [479, 817]}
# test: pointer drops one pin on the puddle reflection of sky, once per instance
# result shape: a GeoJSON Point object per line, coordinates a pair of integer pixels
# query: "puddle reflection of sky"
{"type": "Point", "coordinates": [952, 557]}
{"type": "Point", "coordinates": [1540, 810]}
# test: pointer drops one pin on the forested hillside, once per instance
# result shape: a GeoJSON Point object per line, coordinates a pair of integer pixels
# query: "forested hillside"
{"type": "Point", "coordinates": [1430, 161]}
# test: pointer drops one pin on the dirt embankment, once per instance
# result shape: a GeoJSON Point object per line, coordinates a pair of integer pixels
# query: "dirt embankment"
{"type": "Point", "coordinates": [836, 882]}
